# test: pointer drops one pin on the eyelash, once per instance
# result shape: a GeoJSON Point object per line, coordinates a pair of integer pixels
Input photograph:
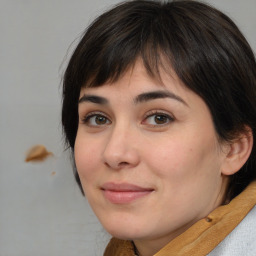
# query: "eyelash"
{"type": "Point", "coordinates": [168, 118]}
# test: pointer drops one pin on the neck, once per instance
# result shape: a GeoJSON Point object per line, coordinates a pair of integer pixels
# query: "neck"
{"type": "Point", "coordinates": [151, 247]}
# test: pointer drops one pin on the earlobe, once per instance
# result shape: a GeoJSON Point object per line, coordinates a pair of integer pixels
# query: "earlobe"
{"type": "Point", "coordinates": [238, 153]}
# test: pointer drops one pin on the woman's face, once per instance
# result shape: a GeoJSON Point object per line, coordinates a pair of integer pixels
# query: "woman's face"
{"type": "Point", "coordinates": [148, 156]}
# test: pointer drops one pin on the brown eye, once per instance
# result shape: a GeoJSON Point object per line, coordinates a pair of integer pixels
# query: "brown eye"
{"type": "Point", "coordinates": [158, 119]}
{"type": "Point", "coordinates": [100, 120]}
{"type": "Point", "coordinates": [96, 120]}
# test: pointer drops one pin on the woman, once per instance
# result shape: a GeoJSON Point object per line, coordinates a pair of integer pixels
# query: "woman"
{"type": "Point", "coordinates": [159, 111]}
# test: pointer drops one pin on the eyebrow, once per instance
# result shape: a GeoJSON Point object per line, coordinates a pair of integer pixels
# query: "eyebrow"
{"type": "Point", "coordinates": [143, 97]}
{"type": "Point", "coordinates": [93, 99]}
{"type": "Point", "coordinates": [147, 96]}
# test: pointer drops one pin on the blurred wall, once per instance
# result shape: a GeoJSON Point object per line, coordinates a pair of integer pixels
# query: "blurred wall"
{"type": "Point", "coordinates": [42, 211]}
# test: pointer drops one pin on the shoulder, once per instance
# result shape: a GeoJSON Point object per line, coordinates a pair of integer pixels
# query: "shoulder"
{"type": "Point", "coordinates": [241, 241]}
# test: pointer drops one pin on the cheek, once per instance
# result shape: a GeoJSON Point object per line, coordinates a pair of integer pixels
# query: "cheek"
{"type": "Point", "coordinates": [168, 158]}
{"type": "Point", "coordinates": [86, 159]}
{"type": "Point", "coordinates": [179, 159]}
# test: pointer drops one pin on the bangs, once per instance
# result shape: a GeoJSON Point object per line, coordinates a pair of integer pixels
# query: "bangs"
{"type": "Point", "coordinates": [120, 53]}
{"type": "Point", "coordinates": [111, 72]}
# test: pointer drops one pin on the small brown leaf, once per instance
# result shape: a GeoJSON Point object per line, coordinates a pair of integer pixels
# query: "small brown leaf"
{"type": "Point", "coordinates": [37, 153]}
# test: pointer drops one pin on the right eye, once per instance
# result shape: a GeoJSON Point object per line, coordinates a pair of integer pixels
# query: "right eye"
{"type": "Point", "coordinates": [94, 119]}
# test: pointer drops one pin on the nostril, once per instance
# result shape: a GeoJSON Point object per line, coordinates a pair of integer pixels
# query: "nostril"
{"type": "Point", "coordinates": [107, 164]}
{"type": "Point", "coordinates": [118, 166]}
{"type": "Point", "coordinates": [122, 164]}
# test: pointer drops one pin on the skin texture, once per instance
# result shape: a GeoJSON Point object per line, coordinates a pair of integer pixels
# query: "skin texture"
{"type": "Point", "coordinates": [167, 146]}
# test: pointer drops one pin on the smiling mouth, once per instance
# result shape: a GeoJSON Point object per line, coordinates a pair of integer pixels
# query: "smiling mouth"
{"type": "Point", "coordinates": [124, 193]}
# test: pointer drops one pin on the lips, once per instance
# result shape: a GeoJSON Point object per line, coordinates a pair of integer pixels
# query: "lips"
{"type": "Point", "coordinates": [124, 193]}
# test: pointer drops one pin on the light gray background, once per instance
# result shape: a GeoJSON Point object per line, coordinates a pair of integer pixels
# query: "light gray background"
{"type": "Point", "coordinates": [43, 214]}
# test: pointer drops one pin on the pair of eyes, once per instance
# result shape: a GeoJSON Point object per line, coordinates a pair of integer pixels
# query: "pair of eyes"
{"type": "Point", "coordinates": [153, 119]}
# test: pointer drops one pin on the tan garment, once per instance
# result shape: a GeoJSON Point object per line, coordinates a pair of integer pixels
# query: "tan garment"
{"type": "Point", "coordinates": [202, 237]}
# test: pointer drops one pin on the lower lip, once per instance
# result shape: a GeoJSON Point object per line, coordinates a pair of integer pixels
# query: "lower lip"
{"type": "Point", "coordinates": [124, 197]}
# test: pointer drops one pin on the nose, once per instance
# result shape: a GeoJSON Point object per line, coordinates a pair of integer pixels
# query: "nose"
{"type": "Point", "coordinates": [121, 149]}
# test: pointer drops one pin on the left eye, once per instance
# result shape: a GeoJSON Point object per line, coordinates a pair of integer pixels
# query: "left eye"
{"type": "Point", "coordinates": [158, 119]}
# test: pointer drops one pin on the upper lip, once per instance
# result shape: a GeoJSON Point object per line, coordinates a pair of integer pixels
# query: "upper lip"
{"type": "Point", "coordinates": [124, 187]}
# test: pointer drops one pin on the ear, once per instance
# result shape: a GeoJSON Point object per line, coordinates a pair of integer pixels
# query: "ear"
{"type": "Point", "coordinates": [238, 152]}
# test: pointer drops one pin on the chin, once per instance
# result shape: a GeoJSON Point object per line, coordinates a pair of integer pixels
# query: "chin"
{"type": "Point", "coordinates": [124, 231]}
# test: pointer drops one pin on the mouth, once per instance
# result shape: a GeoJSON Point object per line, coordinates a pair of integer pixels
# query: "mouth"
{"type": "Point", "coordinates": [124, 193]}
